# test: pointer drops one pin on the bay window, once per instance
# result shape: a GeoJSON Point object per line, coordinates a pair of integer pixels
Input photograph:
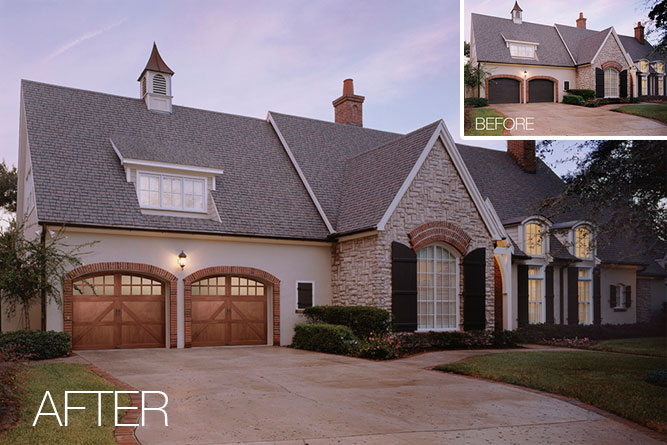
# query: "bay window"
{"type": "Point", "coordinates": [170, 192]}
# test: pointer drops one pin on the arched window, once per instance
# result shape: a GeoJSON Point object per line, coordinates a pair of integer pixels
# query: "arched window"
{"type": "Point", "coordinates": [534, 245]}
{"type": "Point", "coordinates": [643, 66]}
{"type": "Point", "coordinates": [159, 84]}
{"type": "Point", "coordinates": [582, 243]}
{"type": "Point", "coordinates": [437, 288]}
{"type": "Point", "coordinates": [610, 83]}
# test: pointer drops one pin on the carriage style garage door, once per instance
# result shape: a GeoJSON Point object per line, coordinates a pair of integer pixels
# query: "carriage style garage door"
{"type": "Point", "coordinates": [228, 310]}
{"type": "Point", "coordinates": [118, 310]}
{"type": "Point", "coordinates": [504, 91]}
{"type": "Point", "coordinates": [540, 90]}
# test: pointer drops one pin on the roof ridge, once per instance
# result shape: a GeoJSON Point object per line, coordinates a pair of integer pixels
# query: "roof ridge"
{"type": "Point", "coordinates": [334, 123]}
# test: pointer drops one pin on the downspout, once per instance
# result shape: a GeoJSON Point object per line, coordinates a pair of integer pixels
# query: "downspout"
{"type": "Point", "coordinates": [561, 295]}
{"type": "Point", "coordinates": [43, 291]}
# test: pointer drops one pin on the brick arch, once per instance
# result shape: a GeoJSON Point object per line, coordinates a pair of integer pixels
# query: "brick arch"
{"type": "Point", "coordinates": [553, 79]}
{"type": "Point", "coordinates": [249, 272]}
{"type": "Point", "coordinates": [507, 76]}
{"type": "Point", "coordinates": [442, 231]}
{"type": "Point", "coordinates": [138, 268]}
{"type": "Point", "coordinates": [612, 64]}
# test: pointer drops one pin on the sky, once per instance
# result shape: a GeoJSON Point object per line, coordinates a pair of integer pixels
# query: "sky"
{"type": "Point", "coordinates": [251, 57]}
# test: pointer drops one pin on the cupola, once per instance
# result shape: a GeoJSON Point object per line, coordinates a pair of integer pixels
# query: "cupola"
{"type": "Point", "coordinates": [155, 83]}
{"type": "Point", "coordinates": [516, 13]}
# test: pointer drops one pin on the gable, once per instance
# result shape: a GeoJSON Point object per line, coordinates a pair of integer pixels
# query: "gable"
{"type": "Point", "coordinates": [611, 51]}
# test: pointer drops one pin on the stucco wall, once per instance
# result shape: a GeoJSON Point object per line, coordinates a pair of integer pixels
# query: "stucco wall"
{"type": "Point", "coordinates": [297, 261]}
{"type": "Point", "coordinates": [362, 268]}
{"type": "Point", "coordinates": [561, 74]}
{"type": "Point", "coordinates": [617, 275]}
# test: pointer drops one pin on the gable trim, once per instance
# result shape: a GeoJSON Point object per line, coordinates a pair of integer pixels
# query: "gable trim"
{"type": "Point", "coordinates": [319, 208]}
{"type": "Point", "coordinates": [441, 133]}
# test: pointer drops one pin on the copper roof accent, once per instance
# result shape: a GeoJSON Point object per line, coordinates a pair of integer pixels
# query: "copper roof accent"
{"type": "Point", "coordinates": [517, 7]}
{"type": "Point", "coordinates": [155, 63]}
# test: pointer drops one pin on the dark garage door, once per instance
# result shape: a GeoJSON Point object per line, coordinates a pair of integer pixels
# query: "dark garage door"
{"type": "Point", "coordinates": [540, 90]}
{"type": "Point", "coordinates": [503, 91]}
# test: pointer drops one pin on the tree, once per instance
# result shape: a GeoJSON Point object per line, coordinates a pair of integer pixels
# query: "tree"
{"type": "Point", "coordinates": [8, 184]}
{"type": "Point", "coordinates": [30, 268]}
{"type": "Point", "coordinates": [466, 49]}
{"type": "Point", "coordinates": [658, 16]}
{"type": "Point", "coordinates": [620, 186]}
{"type": "Point", "coordinates": [474, 76]}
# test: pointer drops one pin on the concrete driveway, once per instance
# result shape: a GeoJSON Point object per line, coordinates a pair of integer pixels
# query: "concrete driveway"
{"type": "Point", "coordinates": [555, 119]}
{"type": "Point", "coordinates": [272, 394]}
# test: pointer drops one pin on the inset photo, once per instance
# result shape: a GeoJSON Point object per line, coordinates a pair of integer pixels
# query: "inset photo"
{"type": "Point", "coordinates": [537, 69]}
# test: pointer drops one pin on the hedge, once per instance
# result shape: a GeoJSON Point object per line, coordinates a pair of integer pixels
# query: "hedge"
{"type": "Point", "coordinates": [37, 345]}
{"type": "Point", "coordinates": [535, 333]}
{"type": "Point", "coordinates": [571, 99]}
{"type": "Point", "coordinates": [322, 337]}
{"type": "Point", "coordinates": [361, 319]}
{"type": "Point", "coordinates": [586, 94]}
{"type": "Point", "coordinates": [426, 341]}
{"type": "Point", "coordinates": [476, 101]}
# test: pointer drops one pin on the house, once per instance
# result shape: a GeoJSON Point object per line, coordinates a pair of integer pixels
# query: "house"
{"type": "Point", "coordinates": [219, 229]}
{"type": "Point", "coordinates": [531, 62]}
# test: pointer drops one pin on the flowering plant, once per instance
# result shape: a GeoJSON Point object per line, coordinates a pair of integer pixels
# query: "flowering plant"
{"type": "Point", "coordinates": [380, 347]}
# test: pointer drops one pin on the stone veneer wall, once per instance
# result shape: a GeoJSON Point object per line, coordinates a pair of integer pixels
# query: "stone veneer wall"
{"type": "Point", "coordinates": [643, 300]}
{"type": "Point", "coordinates": [610, 52]}
{"type": "Point", "coordinates": [361, 272]}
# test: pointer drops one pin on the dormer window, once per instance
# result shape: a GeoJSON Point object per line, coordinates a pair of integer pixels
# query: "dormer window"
{"type": "Point", "coordinates": [643, 66]}
{"type": "Point", "coordinates": [522, 50]}
{"type": "Point", "coordinates": [159, 84]}
{"type": "Point", "coordinates": [659, 67]}
{"type": "Point", "coordinates": [169, 192]}
{"type": "Point", "coordinates": [534, 245]}
{"type": "Point", "coordinates": [582, 243]}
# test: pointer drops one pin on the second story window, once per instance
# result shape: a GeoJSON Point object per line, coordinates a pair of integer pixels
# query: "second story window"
{"type": "Point", "coordinates": [171, 192]}
{"type": "Point", "coordinates": [522, 50]}
{"type": "Point", "coordinates": [582, 243]}
{"type": "Point", "coordinates": [643, 66]}
{"type": "Point", "coordinates": [534, 239]}
{"type": "Point", "coordinates": [659, 67]}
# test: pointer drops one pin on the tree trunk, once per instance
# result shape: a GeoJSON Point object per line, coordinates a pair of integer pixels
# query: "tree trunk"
{"type": "Point", "coordinates": [26, 317]}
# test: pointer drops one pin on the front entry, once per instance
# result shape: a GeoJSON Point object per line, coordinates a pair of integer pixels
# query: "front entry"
{"type": "Point", "coordinates": [118, 310]}
{"type": "Point", "coordinates": [229, 310]}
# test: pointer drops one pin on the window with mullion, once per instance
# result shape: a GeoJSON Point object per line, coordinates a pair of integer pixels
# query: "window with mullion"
{"type": "Point", "coordinates": [584, 295]}
{"type": "Point", "coordinates": [436, 294]}
{"type": "Point", "coordinates": [535, 298]}
{"type": "Point", "coordinates": [172, 192]}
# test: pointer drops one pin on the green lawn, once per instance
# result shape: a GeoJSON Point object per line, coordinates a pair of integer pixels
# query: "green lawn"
{"type": "Point", "coordinates": [612, 382]}
{"type": "Point", "coordinates": [651, 111]}
{"type": "Point", "coordinates": [483, 113]}
{"type": "Point", "coordinates": [656, 346]}
{"type": "Point", "coordinates": [58, 378]}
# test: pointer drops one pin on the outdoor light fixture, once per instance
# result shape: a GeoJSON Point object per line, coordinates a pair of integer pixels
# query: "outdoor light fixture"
{"type": "Point", "coordinates": [525, 73]}
{"type": "Point", "coordinates": [182, 257]}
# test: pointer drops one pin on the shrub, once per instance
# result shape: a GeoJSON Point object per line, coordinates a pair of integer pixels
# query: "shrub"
{"type": "Point", "coordinates": [586, 94]}
{"type": "Point", "coordinates": [38, 345]}
{"type": "Point", "coordinates": [537, 333]}
{"type": "Point", "coordinates": [591, 103]}
{"type": "Point", "coordinates": [361, 319]}
{"type": "Point", "coordinates": [12, 387]}
{"type": "Point", "coordinates": [380, 347]}
{"type": "Point", "coordinates": [476, 101]}
{"type": "Point", "coordinates": [425, 341]}
{"type": "Point", "coordinates": [322, 337]}
{"type": "Point", "coordinates": [657, 377]}
{"type": "Point", "coordinates": [571, 99]}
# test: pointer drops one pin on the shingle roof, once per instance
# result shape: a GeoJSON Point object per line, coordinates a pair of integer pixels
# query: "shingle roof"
{"type": "Point", "coordinates": [490, 45]}
{"type": "Point", "coordinates": [79, 180]}
{"type": "Point", "coordinates": [559, 251]}
{"type": "Point", "coordinates": [582, 43]}
{"type": "Point", "coordinates": [155, 63]}
{"type": "Point", "coordinates": [640, 51]}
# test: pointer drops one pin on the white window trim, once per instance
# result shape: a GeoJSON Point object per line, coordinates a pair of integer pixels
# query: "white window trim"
{"type": "Point", "coordinates": [620, 296]}
{"type": "Point", "coordinates": [543, 289]}
{"type": "Point", "coordinates": [296, 290]}
{"type": "Point", "coordinates": [546, 225]}
{"type": "Point", "coordinates": [457, 260]}
{"type": "Point", "coordinates": [160, 176]}
{"type": "Point", "coordinates": [590, 293]}
{"type": "Point", "coordinates": [592, 252]}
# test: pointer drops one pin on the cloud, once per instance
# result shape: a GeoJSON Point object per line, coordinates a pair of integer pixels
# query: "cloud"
{"type": "Point", "coordinates": [83, 38]}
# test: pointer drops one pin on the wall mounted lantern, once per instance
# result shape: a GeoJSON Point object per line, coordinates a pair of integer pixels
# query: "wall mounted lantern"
{"type": "Point", "coordinates": [182, 259]}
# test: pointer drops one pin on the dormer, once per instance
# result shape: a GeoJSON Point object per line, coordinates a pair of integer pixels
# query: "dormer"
{"type": "Point", "coordinates": [533, 235]}
{"type": "Point", "coordinates": [155, 83]}
{"type": "Point", "coordinates": [516, 13]}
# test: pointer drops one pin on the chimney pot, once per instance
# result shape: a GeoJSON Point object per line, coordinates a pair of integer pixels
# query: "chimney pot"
{"type": "Point", "coordinates": [581, 21]}
{"type": "Point", "coordinates": [348, 107]}
{"type": "Point", "coordinates": [523, 153]}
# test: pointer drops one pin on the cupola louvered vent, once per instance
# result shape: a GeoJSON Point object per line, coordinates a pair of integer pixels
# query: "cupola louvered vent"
{"type": "Point", "coordinates": [159, 84]}
{"type": "Point", "coordinates": [143, 86]}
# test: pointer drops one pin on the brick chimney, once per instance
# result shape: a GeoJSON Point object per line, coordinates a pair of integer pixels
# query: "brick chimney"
{"type": "Point", "coordinates": [523, 153]}
{"type": "Point", "coordinates": [348, 107]}
{"type": "Point", "coordinates": [581, 21]}
{"type": "Point", "coordinates": [639, 32]}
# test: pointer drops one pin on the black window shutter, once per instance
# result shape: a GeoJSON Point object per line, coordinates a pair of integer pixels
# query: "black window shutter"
{"type": "Point", "coordinates": [304, 294]}
{"type": "Point", "coordinates": [624, 83]}
{"type": "Point", "coordinates": [522, 293]}
{"type": "Point", "coordinates": [612, 296]}
{"type": "Point", "coordinates": [639, 85]}
{"type": "Point", "coordinates": [628, 296]}
{"type": "Point", "coordinates": [474, 290]}
{"type": "Point", "coordinates": [597, 297]}
{"type": "Point", "coordinates": [572, 295]}
{"type": "Point", "coordinates": [549, 297]}
{"type": "Point", "coordinates": [599, 82]}
{"type": "Point", "coordinates": [403, 287]}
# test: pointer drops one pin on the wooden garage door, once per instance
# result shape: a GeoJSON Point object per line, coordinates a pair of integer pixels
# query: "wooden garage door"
{"type": "Point", "coordinates": [540, 90]}
{"type": "Point", "coordinates": [228, 310]}
{"type": "Point", "coordinates": [118, 311]}
{"type": "Point", "coordinates": [504, 91]}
